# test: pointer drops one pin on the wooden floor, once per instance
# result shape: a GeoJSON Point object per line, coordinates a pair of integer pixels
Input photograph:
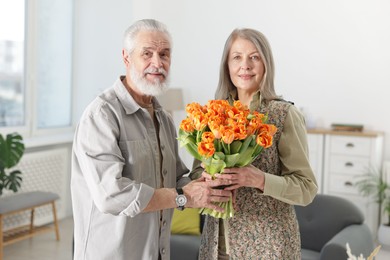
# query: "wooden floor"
{"type": "Point", "coordinates": [45, 246]}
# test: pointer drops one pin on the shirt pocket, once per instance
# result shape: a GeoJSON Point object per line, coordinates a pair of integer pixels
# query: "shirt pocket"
{"type": "Point", "coordinates": [139, 161]}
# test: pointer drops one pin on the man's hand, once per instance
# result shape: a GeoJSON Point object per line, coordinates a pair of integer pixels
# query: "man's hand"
{"type": "Point", "coordinates": [201, 193]}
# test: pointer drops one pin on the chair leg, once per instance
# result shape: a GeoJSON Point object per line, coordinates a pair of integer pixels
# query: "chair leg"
{"type": "Point", "coordinates": [55, 221]}
{"type": "Point", "coordinates": [32, 220]}
{"type": "Point", "coordinates": [1, 237]}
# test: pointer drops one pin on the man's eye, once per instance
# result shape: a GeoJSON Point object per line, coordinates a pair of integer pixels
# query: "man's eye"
{"type": "Point", "coordinates": [164, 56]}
{"type": "Point", "coordinates": [147, 54]}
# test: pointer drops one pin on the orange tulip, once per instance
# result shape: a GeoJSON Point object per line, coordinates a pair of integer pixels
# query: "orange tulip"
{"type": "Point", "coordinates": [266, 134]}
{"type": "Point", "coordinates": [206, 149]}
{"type": "Point", "coordinates": [271, 129]}
{"type": "Point", "coordinates": [186, 125]}
{"type": "Point", "coordinates": [264, 140]}
{"type": "Point", "coordinates": [190, 108]}
{"type": "Point", "coordinates": [228, 136]}
{"type": "Point", "coordinates": [208, 137]}
{"type": "Point", "coordinates": [239, 132]}
{"type": "Point", "coordinates": [199, 120]}
{"type": "Point", "coordinates": [216, 128]}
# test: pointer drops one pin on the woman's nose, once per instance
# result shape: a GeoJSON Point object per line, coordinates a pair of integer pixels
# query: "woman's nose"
{"type": "Point", "coordinates": [245, 64]}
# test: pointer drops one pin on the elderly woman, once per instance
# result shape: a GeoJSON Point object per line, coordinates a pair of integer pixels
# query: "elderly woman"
{"type": "Point", "coordinates": [264, 225]}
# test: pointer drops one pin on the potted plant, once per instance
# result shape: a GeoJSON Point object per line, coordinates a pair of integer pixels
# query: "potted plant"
{"type": "Point", "coordinates": [11, 151]}
{"type": "Point", "coordinates": [372, 184]}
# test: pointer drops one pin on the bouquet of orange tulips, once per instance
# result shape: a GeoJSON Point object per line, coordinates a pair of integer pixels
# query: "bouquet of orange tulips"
{"type": "Point", "coordinates": [223, 135]}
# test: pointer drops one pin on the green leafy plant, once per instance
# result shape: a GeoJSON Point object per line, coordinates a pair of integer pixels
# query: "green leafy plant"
{"type": "Point", "coordinates": [11, 151]}
{"type": "Point", "coordinates": [373, 185]}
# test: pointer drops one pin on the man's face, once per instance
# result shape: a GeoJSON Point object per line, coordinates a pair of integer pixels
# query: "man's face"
{"type": "Point", "coordinates": [148, 65]}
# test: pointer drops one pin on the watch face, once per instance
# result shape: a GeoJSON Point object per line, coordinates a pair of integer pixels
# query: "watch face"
{"type": "Point", "coordinates": [181, 200]}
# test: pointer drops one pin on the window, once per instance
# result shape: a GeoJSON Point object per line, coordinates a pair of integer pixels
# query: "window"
{"type": "Point", "coordinates": [53, 63]}
{"type": "Point", "coordinates": [36, 64]}
{"type": "Point", "coordinates": [11, 63]}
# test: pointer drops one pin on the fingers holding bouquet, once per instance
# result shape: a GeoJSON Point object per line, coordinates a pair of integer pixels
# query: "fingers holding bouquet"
{"type": "Point", "coordinates": [248, 176]}
{"type": "Point", "coordinates": [202, 194]}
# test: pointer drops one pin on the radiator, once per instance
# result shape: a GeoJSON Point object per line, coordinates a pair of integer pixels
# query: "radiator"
{"type": "Point", "coordinates": [45, 171]}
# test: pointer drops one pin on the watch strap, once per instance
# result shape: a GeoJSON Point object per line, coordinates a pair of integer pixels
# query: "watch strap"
{"type": "Point", "coordinates": [179, 191]}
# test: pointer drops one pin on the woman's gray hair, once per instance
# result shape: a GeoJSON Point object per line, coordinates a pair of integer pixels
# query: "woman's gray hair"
{"type": "Point", "coordinates": [143, 25]}
{"type": "Point", "coordinates": [225, 84]}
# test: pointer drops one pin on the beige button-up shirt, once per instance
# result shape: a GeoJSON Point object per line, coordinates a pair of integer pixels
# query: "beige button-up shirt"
{"type": "Point", "coordinates": [115, 170]}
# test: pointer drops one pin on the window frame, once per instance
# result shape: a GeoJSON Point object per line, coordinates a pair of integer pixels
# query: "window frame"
{"type": "Point", "coordinates": [30, 128]}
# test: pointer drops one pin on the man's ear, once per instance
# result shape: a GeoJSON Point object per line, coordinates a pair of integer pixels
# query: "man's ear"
{"type": "Point", "coordinates": [125, 57]}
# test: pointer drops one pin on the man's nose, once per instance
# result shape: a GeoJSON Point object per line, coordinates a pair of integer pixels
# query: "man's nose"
{"type": "Point", "coordinates": [156, 61]}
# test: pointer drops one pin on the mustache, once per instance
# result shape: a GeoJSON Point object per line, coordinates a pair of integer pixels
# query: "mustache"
{"type": "Point", "coordinates": [156, 70]}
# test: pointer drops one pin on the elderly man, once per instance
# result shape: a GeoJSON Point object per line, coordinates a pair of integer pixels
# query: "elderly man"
{"type": "Point", "coordinates": [125, 160]}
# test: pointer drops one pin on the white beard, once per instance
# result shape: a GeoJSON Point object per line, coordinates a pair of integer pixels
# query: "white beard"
{"type": "Point", "coordinates": [147, 88]}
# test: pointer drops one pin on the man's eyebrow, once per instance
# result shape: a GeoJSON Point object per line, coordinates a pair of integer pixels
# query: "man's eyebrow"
{"type": "Point", "coordinates": [153, 48]}
{"type": "Point", "coordinates": [147, 48]}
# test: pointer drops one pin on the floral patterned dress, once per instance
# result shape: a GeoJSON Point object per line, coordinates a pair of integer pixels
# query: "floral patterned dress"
{"type": "Point", "coordinates": [262, 227]}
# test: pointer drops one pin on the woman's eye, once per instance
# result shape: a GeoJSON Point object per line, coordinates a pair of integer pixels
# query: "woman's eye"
{"type": "Point", "coordinates": [255, 58]}
{"type": "Point", "coordinates": [236, 57]}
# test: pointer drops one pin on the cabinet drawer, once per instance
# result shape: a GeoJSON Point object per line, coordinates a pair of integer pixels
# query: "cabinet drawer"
{"type": "Point", "coordinates": [314, 142]}
{"type": "Point", "coordinates": [342, 184]}
{"type": "Point", "coordinates": [351, 165]}
{"type": "Point", "coordinates": [313, 161]}
{"type": "Point", "coordinates": [350, 145]}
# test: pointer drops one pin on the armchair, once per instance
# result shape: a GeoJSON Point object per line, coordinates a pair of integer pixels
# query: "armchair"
{"type": "Point", "coordinates": [327, 224]}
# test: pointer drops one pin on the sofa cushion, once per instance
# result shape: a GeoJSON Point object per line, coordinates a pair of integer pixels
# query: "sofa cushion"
{"type": "Point", "coordinates": [309, 254]}
{"type": "Point", "coordinates": [324, 218]}
{"type": "Point", "coordinates": [186, 222]}
{"type": "Point", "coordinates": [185, 247]}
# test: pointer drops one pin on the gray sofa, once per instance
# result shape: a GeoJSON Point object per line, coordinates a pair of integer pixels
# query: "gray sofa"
{"type": "Point", "coordinates": [184, 247]}
{"type": "Point", "coordinates": [326, 225]}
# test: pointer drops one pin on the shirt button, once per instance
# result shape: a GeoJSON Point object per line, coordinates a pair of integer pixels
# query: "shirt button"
{"type": "Point", "coordinates": [164, 223]}
{"type": "Point", "coordinates": [163, 251]}
{"type": "Point", "coordinates": [162, 147]}
{"type": "Point", "coordinates": [165, 171]}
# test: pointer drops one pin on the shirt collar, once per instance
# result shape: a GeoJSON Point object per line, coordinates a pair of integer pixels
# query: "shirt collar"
{"type": "Point", "coordinates": [255, 103]}
{"type": "Point", "coordinates": [127, 100]}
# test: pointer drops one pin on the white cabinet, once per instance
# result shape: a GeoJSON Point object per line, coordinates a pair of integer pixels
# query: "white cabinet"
{"type": "Point", "coordinates": [343, 157]}
{"type": "Point", "coordinates": [316, 147]}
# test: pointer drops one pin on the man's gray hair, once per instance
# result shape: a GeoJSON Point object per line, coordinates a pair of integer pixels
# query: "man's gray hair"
{"type": "Point", "coordinates": [143, 25]}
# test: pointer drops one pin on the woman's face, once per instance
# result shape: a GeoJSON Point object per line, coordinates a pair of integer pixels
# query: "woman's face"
{"type": "Point", "coordinates": [246, 68]}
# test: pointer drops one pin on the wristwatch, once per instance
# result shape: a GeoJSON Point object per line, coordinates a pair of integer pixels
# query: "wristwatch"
{"type": "Point", "coordinates": [181, 199]}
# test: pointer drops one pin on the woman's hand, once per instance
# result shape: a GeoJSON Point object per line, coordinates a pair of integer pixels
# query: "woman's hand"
{"type": "Point", "coordinates": [248, 176]}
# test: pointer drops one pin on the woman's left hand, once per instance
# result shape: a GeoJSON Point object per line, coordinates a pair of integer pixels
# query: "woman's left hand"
{"type": "Point", "coordinates": [248, 176]}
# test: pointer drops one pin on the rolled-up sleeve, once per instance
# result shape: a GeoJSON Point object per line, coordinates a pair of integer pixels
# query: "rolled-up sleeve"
{"type": "Point", "coordinates": [101, 163]}
{"type": "Point", "coordinates": [297, 184]}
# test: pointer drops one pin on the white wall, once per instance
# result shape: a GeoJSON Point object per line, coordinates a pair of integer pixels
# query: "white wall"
{"type": "Point", "coordinates": [332, 57]}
